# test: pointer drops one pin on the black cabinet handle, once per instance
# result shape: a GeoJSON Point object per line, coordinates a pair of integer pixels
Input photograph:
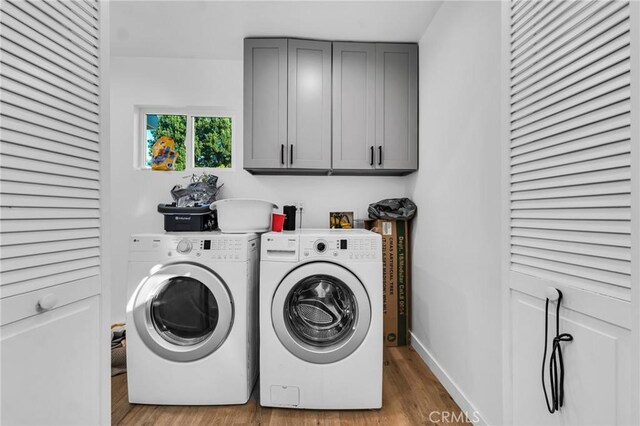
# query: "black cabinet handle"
{"type": "Point", "coordinates": [371, 161]}
{"type": "Point", "coordinates": [282, 154]}
{"type": "Point", "coordinates": [291, 154]}
{"type": "Point", "coordinates": [380, 155]}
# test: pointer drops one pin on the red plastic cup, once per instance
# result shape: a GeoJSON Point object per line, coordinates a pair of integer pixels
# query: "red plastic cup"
{"type": "Point", "coordinates": [277, 222]}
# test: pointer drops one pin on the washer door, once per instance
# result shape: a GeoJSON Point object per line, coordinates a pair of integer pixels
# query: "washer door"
{"type": "Point", "coordinates": [321, 312]}
{"type": "Point", "coordinates": [183, 312]}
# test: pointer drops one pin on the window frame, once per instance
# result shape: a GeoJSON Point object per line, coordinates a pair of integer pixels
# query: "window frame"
{"type": "Point", "coordinates": [191, 113]}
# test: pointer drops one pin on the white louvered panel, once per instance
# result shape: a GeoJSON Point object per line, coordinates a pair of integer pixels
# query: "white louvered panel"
{"type": "Point", "coordinates": [549, 170]}
{"type": "Point", "coordinates": [608, 188]}
{"type": "Point", "coordinates": [46, 236]}
{"type": "Point", "coordinates": [44, 63]}
{"type": "Point", "coordinates": [59, 157]}
{"type": "Point", "coordinates": [16, 88]}
{"type": "Point", "coordinates": [9, 252]}
{"type": "Point", "coordinates": [50, 18]}
{"type": "Point", "coordinates": [50, 38]}
{"type": "Point", "coordinates": [20, 200]}
{"type": "Point", "coordinates": [40, 165]}
{"type": "Point", "coordinates": [602, 12]}
{"type": "Point", "coordinates": [29, 73]}
{"type": "Point", "coordinates": [32, 116]}
{"type": "Point", "coordinates": [571, 144]}
{"type": "Point", "coordinates": [62, 117]}
{"type": "Point", "coordinates": [47, 213]}
{"type": "Point", "coordinates": [602, 251]}
{"type": "Point", "coordinates": [91, 275]}
{"type": "Point", "coordinates": [581, 213]}
{"type": "Point", "coordinates": [591, 273]}
{"type": "Point", "coordinates": [23, 188]}
{"type": "Point", "coordinates": [12, 277]}
{"type": "Point", "coordinates": [90, 11]}
{"type": "Point", "coordinates": [601, 146]}
{"type": "Point", "coordinates": [36, 46]}
{"type": "Point", "coordinates": [617, 240]}
{"type": "Point", "coordinates": [27, 225]}
{"type": "Point", "coordinates": [66, 17]}
{"type": "Point", "coordinates": [595, 37]}
{"type": "Point", "coordinates": [622, 200]}
{"type": "Point", "coordinates": [51, 258]}
{"type": "Point", "coordinates": [572, 280]}
{"type": "Point", "coordinates": [37, 177]}
{"type": "Point", "coordinates": [543, 11]}
{"type": "Point", "coordinates": [21, 127]}
{"type": "Point", "coordinates": [574, 95]}
{"type": "Point", "coordinates": [50, 144]}
{"type": "Point", "coordinates": [563, 16]}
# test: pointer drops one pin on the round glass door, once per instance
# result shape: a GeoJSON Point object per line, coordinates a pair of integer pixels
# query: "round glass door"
{"type": "Point", "coordinates": [183, 312]}
{"type": "Point", "coordinates": [321, 312]}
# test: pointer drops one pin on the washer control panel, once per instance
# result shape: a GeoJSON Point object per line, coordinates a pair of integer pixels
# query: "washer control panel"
{"type": "Point", "coordinates": [348, 249]}
{"type": "Point", "coordinates": [219, 247]}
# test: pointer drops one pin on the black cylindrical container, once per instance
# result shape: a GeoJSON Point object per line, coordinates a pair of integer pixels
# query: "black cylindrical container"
{"type": "Point", "coordinates": [290, 220]}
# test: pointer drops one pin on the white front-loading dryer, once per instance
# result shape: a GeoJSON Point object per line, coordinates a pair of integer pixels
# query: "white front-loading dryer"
{"type": "Point", "coordinates": [191, 318]}
{"type": "Point", "coordinates": [321, 319]}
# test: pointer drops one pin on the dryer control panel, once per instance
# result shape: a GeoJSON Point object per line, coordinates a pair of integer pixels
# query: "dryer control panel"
{"type": "Point", "coordinates": [338, 247]}
{"type": "Point", "coordinates": [197, 247]}
{"type": "Point", "coordinates": [301, 245]}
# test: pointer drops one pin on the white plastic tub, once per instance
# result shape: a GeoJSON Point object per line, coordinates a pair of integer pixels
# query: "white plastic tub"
{"type": "Point", "coordinates": [240, 215]}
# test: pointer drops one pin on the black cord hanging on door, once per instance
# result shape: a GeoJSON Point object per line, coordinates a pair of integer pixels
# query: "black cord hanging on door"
{"type": "Point", "coordinates": [556, 363]}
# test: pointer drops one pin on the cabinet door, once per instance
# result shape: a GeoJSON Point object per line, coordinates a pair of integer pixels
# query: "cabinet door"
{"type": "Point", "coordinates": [309, 122]}
{"type": "Point", "coordinates": [354, 106]}
{"type": "Point", "coordinates": [51, 366]}
{"type": "Point", "coordinates": [265, 103]}
{"type": "Point", "coordinates": [397, 106]}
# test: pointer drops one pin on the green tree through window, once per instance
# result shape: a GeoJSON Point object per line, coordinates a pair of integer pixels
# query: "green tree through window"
{"type": "Point", "coordinates": [173, 126]}
{"type": "Point", "coordinates": [211, 139]}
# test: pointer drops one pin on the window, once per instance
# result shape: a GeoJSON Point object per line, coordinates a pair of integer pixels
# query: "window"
{"type": "Point", "coordinates": [202, 140]}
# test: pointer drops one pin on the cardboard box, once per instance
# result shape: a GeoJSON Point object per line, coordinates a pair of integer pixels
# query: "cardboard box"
{"type": "Point", "coordinates": [396, 256]}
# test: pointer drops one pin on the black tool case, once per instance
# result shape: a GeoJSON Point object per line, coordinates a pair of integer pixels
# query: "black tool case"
{"type": "Point", "coordinates": [187, 219]}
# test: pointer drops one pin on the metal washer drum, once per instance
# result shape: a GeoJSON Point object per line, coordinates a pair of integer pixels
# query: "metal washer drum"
{"type": "Point", "coordinates": [151, 286]}
{"type": "Point", "coordinates": [321, 354]}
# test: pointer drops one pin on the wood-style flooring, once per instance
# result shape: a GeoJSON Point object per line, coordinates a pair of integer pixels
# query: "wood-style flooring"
{"type": "Point", "coordinates": [412, 396]}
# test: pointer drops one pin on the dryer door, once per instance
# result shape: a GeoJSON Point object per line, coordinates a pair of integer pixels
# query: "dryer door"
{"type": "Point", "coordinates": [321, 312]}
{"type": "Point", "coordinates": [183, 312]}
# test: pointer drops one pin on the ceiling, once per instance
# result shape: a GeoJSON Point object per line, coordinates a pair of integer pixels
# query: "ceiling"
{"type": "Point", "coordinates": [209, 29]}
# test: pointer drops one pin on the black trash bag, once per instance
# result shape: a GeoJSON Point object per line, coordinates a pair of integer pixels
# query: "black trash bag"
{"type": "Point", "coordinates": [393, 209]}
{"type": "Point", "coordinates": [201, 191]}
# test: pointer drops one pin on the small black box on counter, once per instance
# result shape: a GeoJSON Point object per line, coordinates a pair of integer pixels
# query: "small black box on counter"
{"type": "Point", "coordinates": [187, 219]}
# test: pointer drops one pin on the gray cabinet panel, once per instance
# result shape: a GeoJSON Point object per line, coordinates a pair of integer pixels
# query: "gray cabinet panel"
{"type": "Point", "coordinates": [354, 106]}
{"type": "Point", "coordinates": [397, 106]}
{"type": "Point", "coordinates": [265, 103]}
{"type": "Point", "coordinates": [309, 120]}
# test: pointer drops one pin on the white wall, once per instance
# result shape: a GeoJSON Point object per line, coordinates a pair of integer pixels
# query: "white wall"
{"type": "Point", "coordinates": [204, 83]}
{"type": "Point", "coordinates": [456, 269]}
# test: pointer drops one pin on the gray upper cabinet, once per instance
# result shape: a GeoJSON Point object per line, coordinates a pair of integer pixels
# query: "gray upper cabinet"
{"type": "Point", "coordinates": [318, 106]}
{"type": "Point", "coordinates": [354, 106]}
{"type": "Point", "coordinates": [309, 129]}
{"type": "Point", "coordinates": [265, 103]}
{"type": "Point", "coordinates": [397, 106]}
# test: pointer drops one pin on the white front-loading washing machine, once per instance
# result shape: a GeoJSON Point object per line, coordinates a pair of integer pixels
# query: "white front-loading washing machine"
{"type": "Point", "coordinates": [192, 318]}
{"type": "Point", "coordinates": [321, 319]}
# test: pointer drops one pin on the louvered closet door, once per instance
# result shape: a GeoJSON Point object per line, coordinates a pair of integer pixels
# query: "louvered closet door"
{"type": "Point", "coordinates": [50, 217]}
{"type": "Point", "coordinates": [570, 185]}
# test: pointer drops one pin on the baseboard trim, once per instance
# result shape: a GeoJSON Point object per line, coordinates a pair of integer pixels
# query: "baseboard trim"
{"type": "Point", "coordinates": [454, 390]}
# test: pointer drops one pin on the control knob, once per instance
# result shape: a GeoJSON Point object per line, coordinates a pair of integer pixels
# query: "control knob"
{"type": "Point", "coordinates": [184, 246]}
